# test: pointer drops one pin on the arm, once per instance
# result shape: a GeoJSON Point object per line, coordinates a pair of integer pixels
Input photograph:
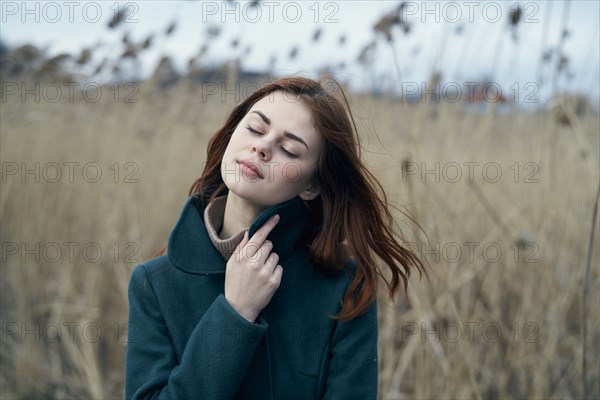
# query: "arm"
{"type": "Point", "coordinates": [214, 361]}
{"type": "Point", "coordinates": [352, 370]}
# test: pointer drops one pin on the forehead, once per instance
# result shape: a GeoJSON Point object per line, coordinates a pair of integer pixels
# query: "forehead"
{"type": "Point", "coordinates": [286, 112]}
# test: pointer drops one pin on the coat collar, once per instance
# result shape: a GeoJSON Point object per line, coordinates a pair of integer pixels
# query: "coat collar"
{"type": "Point", "coordinates": [191, 250]}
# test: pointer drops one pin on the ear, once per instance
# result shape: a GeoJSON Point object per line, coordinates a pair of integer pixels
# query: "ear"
{"type": "Point", "coordinates": [311, 192]}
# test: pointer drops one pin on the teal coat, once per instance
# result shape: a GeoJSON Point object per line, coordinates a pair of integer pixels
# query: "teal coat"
{"type": "Point", "coordinates": [186, 342]}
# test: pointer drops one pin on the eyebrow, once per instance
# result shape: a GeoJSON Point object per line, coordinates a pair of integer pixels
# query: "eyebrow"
{"type": "Point", "coordinates": [285, 133]}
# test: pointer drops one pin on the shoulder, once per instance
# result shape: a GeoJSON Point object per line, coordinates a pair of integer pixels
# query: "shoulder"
{"type": "Point", "coordinates": [143, 273]}
{"type": "Point", "coordinates": [153, 265]}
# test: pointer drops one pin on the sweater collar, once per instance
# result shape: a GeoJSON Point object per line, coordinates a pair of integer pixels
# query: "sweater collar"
{"type": "Point", "coordinates": [191, 250]}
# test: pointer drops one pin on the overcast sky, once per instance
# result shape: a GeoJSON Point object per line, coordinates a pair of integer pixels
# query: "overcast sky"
{"type": "Point", "coordinates": [465, 40]}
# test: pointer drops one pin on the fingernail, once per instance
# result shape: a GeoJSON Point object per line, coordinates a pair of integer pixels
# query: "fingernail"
{"type": "Point", "coordinates": [276, 217]}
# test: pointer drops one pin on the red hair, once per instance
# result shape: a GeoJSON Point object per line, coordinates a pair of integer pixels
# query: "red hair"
{"type": "Point", "coordinates": [352, 206]}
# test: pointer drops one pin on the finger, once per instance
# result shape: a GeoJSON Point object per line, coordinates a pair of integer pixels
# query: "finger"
{"type": "Point", "coordinates": [273, 260]}
{"type": "Point", "coordinates": [263, 254]}
{"type": "Point", "coordinates": [261, 235]}
{"type": "Point", "coordinates": [277, 274]}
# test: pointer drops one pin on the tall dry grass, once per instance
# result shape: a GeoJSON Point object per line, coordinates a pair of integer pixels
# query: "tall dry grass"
{"type": "Point", "coordinates": [537, 305]}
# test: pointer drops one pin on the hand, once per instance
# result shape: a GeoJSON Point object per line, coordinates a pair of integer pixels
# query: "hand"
{"type": "Point", "coordinates": [252, 274]}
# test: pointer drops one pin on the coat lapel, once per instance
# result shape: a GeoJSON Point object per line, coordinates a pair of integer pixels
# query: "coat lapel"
{"type": "Point", "coordinates": [191, 250]}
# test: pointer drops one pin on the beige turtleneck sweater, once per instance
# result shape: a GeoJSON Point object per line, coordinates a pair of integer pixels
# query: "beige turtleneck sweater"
{"type": "Point", "coordinates": [213, 219]}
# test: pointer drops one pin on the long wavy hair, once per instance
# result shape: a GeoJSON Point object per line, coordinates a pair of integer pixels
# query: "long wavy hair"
{"type": "Point", "coordinates": [350, 217]}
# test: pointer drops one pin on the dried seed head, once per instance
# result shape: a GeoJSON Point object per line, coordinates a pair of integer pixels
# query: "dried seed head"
{"type": "Point", "coordinates": [171, 28]}
{"type": "Point", "coordinates": [524, 240]}
{"type": "Point", "coordinates": [213, 31]}
{"type": "Point", "coordinates": [84, 57]}
{"type": "Point", "coordinates": [130, 52]}
{"type": "Point", "coordinates": [148, 42]}
{"type": "Point", "coordinates": [117, 19]}
{"type": "Point", "coordinates": [366, 54]}
{"type": "Point", "coordinates": [515, 16]}
{"type": "Point", "coordinates": [386, 23]}
{"type": "Point", "coordinates": [204, 49]}
{"type": "Point", "coordinates": [562, 63]}
{"type": "Point", "coordinates": [98, 69]}
{"type": "Point", "coordinates": [547, 55]}
{"type": "Point", "coordinates": [316, 35]}
{"type": "Point", "coordinates": [26, 54]}
{"type": "Point", "coordinates": [52, 66]}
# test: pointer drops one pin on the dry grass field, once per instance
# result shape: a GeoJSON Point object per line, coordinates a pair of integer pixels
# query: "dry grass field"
{"type": "Point", "coordinates": [91, 189]}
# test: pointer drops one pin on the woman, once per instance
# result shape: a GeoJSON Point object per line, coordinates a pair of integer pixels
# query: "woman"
{"type": "Point", "coordinates": [268, 288]}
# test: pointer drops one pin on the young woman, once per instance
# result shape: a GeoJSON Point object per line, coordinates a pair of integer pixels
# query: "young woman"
{"type": "Point", "coordinates": [268, 287]}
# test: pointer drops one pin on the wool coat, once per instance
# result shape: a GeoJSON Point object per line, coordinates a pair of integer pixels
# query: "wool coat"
{"type": "Point", "coordinates": [185, 341]}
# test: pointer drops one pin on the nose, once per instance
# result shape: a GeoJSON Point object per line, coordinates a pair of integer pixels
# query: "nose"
{"type": "Point", "coordinates": [263, 148]}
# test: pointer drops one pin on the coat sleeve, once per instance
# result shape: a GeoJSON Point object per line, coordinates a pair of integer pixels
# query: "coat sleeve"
{"type": "Point", "coordinates": [353, 363]}
{"type": "Point", "coordinates": [214, 361]}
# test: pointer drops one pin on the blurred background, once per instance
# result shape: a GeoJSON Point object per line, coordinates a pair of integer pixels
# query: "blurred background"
{"type": "Point", "coordinates": [479, 118]}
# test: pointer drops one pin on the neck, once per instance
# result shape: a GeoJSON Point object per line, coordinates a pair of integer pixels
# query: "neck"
{"type": "Point", "coordinates": [239, 214]}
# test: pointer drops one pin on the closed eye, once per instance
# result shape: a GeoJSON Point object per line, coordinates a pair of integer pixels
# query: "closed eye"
{"type": "Point", "coordinates": [288, 153]}
{"type": "Point", "coordinates": [255, 132]}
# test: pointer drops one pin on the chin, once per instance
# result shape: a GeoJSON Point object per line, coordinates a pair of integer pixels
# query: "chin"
{"type": "Point", "coordinates": [250, 195]}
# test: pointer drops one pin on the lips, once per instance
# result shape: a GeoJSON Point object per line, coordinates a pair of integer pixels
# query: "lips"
{"type": "Point", "coordinates": [253, 166]}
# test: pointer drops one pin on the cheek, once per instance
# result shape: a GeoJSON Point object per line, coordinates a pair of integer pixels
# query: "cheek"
{"type": "Point", "coordinates": [291, 173]}
{"type": "Point", "coordinates": [294, 173]}
{"type": "Point", "coordinates": [235, 143]}
{"type": "Point", "coordinates": [236, 136]}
